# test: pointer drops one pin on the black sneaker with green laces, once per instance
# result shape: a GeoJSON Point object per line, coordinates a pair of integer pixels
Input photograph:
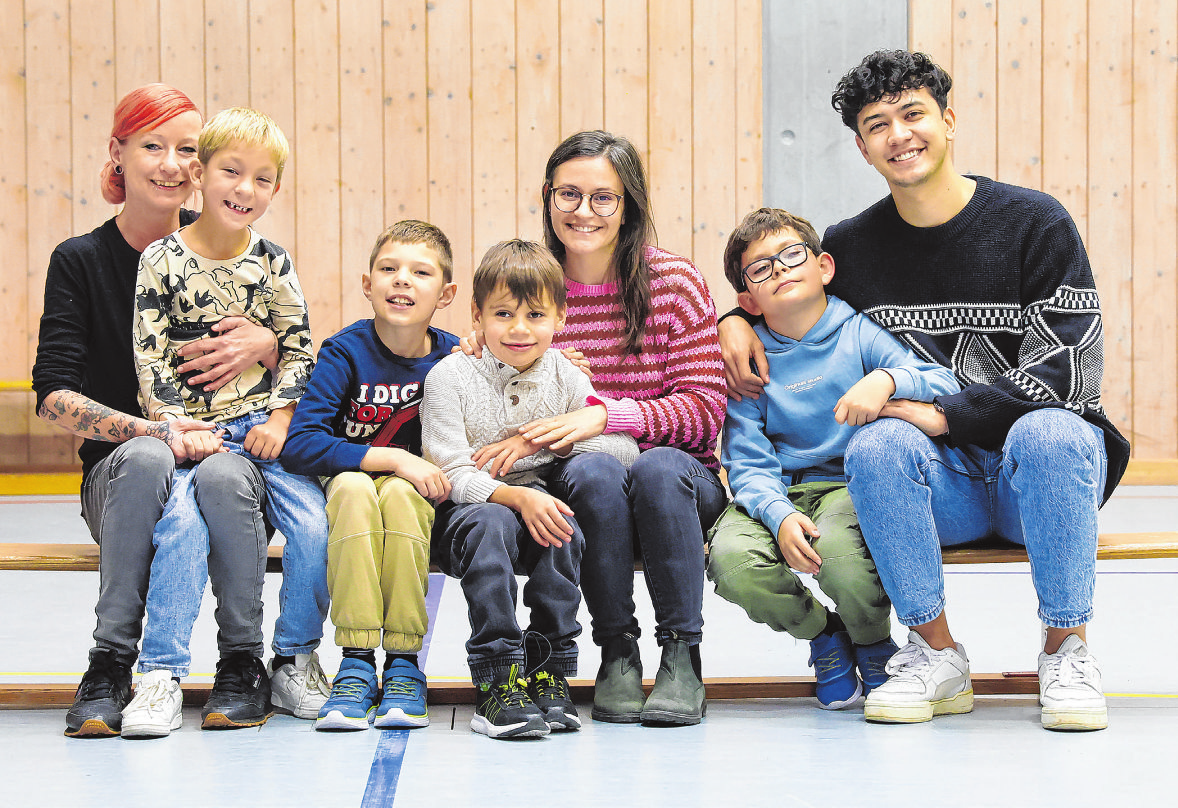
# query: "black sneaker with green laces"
{"type": "Point", "coordinates": [240, 695]}
{"type": "Point", "coordinates": [550, 692]}
{"type": "Point", "coordinates": [504, 711]}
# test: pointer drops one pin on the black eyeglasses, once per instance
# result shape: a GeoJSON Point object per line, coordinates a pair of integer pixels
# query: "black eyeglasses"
{"type": "Point", "coordinates": [762, 269]}
{"type": "Point", "coordinates": [567, 199]}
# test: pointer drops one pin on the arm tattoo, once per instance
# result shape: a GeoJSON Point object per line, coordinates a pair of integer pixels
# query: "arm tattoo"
{"type": "Point", "coordinates": [84, 416]}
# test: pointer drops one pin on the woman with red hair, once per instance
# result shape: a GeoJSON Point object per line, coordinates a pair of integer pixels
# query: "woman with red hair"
{"type": "Point", "coordinates": [85, 382]}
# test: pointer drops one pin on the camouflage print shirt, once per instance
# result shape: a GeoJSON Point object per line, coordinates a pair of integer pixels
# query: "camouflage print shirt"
{"type": "Point", "coordinates": [180, 295]}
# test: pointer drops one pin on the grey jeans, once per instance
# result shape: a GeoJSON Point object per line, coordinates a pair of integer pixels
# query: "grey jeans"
{"type": "Point", "coordinates": [124, 497]}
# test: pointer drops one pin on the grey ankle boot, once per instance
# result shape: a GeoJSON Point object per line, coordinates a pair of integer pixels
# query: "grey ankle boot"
{"type": "Point", "coordinates": [678, 694]}
{"type": "Point", "coordinates": [617, 693]}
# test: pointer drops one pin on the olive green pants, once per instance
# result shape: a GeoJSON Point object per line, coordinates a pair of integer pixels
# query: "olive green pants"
{"type": "Point", "coordinates": [746, 565]}
{"type": "Point", "coordinates": [378, 561]}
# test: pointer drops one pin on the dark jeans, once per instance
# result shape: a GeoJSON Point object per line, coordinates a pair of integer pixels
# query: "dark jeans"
{"type": "Point", "coordinates": [486, 545]}
{"type": "Point", "coordinates": [658, 511]}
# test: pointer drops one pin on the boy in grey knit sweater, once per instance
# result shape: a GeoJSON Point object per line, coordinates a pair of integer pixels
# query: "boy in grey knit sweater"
{"type": "Point", "coordinates": [500, 521]}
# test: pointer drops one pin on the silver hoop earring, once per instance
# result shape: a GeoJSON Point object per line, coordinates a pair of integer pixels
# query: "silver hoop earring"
{"type": "Point", "coordinates": [118, 169]}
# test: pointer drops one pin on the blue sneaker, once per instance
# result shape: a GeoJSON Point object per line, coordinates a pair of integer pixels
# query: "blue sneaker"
{"type": "Point", "coordinates": [832, 659]}
{"type": "Point", "coordinates": [353, 697]}
{"type": "Point", "coordinates": [402, 701]}
{"type": "Point", "coordinates": [871, 659]}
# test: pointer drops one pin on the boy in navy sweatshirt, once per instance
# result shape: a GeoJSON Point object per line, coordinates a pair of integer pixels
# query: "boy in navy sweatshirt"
{"type": "Point", "coordinates": [358, 425]}
{"type": "Point", "coordinates": [832, 370]}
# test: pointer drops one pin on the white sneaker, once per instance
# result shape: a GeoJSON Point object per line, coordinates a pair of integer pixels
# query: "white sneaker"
{"type": "Point", "coordinates": [922, 682]}
{"type": "Point", "coordinates": [300, 689]}
{"type": "Point", "coordinates": [1069, 688]}
{"type": "Point", "coordinates": [157, 708]}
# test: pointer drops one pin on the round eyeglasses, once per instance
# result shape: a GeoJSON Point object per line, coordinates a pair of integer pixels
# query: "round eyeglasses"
{"type": "Point", "coordinates": [567, 199]}
{"type": "Point", "coordinates": [790, 256]}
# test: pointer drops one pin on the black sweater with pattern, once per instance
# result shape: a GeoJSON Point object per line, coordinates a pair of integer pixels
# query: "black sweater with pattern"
{"type": "Point", "coordinates": [1002, 294]}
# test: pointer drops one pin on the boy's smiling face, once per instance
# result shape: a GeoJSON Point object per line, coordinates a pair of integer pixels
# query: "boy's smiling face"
{"type": "Point", "coordinates": [786, 293]}
{"type": "Point", "coordinates": [406, 285]}
{"type": "Point", "coordinates": [517, 332]}
{"type": "Point", "coordinates": [236, 186]}
{"type": "Point", "coordinates": [906, 138]}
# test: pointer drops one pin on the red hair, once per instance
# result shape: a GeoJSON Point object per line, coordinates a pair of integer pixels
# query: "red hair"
{"type": "Point", "coordinates": [141, 110]}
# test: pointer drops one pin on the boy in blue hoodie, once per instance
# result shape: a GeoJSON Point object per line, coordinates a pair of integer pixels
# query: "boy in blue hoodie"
{"type": "Point", "coordinates": [832, 370]}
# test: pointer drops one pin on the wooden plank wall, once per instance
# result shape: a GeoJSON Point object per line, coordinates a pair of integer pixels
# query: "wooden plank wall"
{"type": "Point", "coordinates": [446, 110]}
{"type": "Point", "coordinates": [1077, 98]}
{"type": "Point", "coordinates": [443, 110]}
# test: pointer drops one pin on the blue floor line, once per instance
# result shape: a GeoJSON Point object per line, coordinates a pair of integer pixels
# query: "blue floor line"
{"type": "Point", "coordinates": [390, 747]}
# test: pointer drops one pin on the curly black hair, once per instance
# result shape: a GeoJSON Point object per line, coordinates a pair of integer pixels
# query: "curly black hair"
{"type": "Point", "coordinates": [886, 74]}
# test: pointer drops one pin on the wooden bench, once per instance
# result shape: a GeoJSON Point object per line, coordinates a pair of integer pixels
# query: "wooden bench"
{"type": "Point", "coordinates": [1111, 546]}
{"type": "Point", "coordinates": [84, 557]}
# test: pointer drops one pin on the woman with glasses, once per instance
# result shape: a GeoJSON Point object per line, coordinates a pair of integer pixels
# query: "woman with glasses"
{"type": "Point", "coordinates": [646, 323]}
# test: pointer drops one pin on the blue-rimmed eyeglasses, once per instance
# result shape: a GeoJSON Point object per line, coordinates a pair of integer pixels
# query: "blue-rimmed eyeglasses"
{"type": "Point", "coordinates": [567, 199]}
{"type": "Point", "coordinates": [790, 256]}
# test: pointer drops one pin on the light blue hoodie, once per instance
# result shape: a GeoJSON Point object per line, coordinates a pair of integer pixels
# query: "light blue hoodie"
{"type": "Point", "coordinates": [788, 435]}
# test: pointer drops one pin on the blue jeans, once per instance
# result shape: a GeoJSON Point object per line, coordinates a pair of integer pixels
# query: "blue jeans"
{"type": "Point", "coordinates": [486, 545]}
{"type": "Point", "coordinates": [657, 510]}
{"type": "Point", "coordinates": [231, 543]}
{"type": "Point", "coordinates": [915, 494]}
{"type": "Point", "coordinates": [207, 532]}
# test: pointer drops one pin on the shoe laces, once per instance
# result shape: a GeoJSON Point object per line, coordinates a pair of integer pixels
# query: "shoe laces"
{"type": "Point", "coordinates": [1070, 669]}
{"type": "Point", "coordinates": [237, 674]}
{"type": "Point", "coordinates": [828, 661]}
{"type": "Point", "coordinates": [910, 661]}
{"type": "Point", "coordinates": [155, 695]}
{"type": "Point", "coordinates": [549, 686]}
{"type": "Point", "coordinates": [400, 686]}
{"type": "Point", "coordinates": [314, 677]}
{"type": "Point", "coordinates": [102, 678]}
{"type": "Point", "coordinates": [350, 688]}
{"type": "Point", "coordinates": [513, 692]}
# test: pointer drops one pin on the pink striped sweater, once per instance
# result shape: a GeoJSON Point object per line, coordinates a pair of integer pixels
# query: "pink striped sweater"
{"type": "Point", "coordinates": [673, 393]}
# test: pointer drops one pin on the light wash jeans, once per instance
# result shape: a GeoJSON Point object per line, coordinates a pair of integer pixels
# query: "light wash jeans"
{"type": "Point", "coordinates": [1042, 489]}
{"type": "Point", "coordinates": [294, 504]}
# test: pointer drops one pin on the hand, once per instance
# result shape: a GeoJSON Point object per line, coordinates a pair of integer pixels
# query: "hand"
{"type": "Point", "coordinates": [265, 441]}
{"type": "Point", "coordinates": [239, 344]}
{"type": "Point", "coordinates": [862, 403]}
{"type": "Point", "coordinates": [575, 356]}
{"type": "Point", "coordinates": [429, 480]}
{"type": "Point", "coordinates": [183, 436]}
{"type": "Point", "coordinates": [558, 432]}
{"type": "Point", "coordinates": [197, 445]}
{"type": "Point", "coordinates": [739, 345]}
{"type": "Point", "coordinates": [471, 345]}
{"type": "Point", "coordinates": [543, 513]}
{"type": "Point", "coordinates": [503, 454]}
{"type": "Point", "coordinates": [795, 547]}
{"type": "Point", "coordinates": [921, 415]}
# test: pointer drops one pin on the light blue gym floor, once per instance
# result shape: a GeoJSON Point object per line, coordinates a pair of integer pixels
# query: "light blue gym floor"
{"type": "Point", "coordinates": [759, 752]}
